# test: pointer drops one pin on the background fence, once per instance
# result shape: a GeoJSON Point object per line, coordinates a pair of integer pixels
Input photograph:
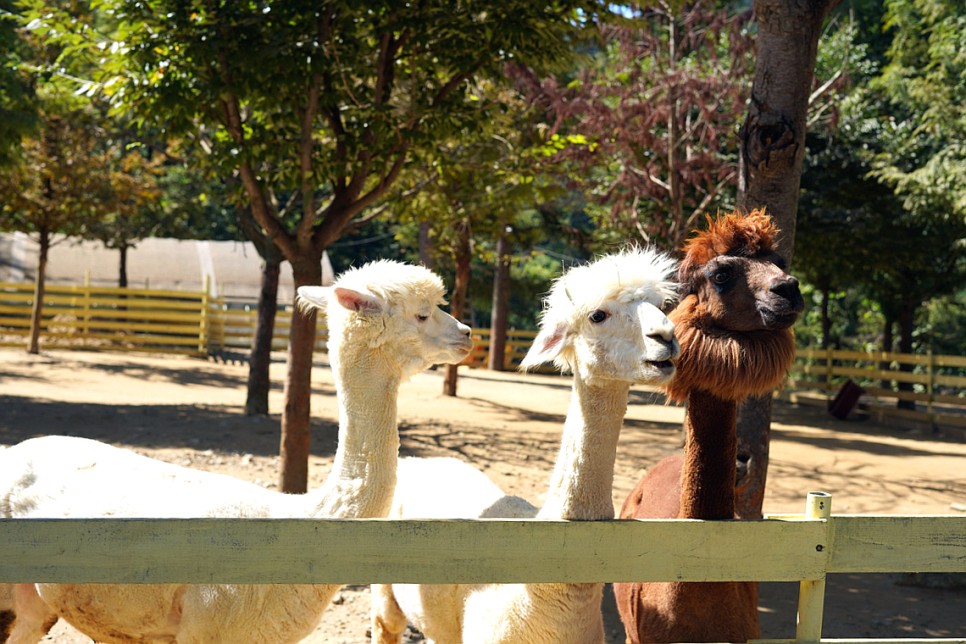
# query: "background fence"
{"type": "Point", "coordinates": [782, 548]}
{"type": "Point", "coordinates": [937, 383]}
{"type": "Point", "coordinates": [194, 323]}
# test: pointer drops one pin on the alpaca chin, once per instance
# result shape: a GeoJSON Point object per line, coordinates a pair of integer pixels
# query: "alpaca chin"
{"type": "Point", "coordinates": [732, 365]}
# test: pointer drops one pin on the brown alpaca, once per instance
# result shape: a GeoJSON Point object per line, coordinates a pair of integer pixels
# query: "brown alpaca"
{"type": "Point", "coordinates": [734, 325]}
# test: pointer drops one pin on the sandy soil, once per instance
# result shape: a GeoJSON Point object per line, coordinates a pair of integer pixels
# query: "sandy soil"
{"type": "Point", "coordinates": [189, 411]}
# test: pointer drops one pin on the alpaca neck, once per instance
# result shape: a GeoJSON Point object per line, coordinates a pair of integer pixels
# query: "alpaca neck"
{"type": "Point", "coordinates": [710, 449]}
{"type": "Point", "coordinates": [363, 476]}
{"type": "Point", "coordinates": [581, 486]}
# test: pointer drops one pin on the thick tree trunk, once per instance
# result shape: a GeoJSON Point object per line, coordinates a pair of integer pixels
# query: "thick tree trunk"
{"type": "Point", "coordinates": [37, 310]}
{"type": "Point", "coordinates": [501, 296]}
{"type": "Point", "coordinates": [260, 359]}
{"type": "Point", "coordinates": [296, 414]}
{"type": "Point", "coordinates": [770, 168]}
{"type": "Point", "coordinates": [461, 290]}
{"type": "Point", "coordinates": [907, 325]}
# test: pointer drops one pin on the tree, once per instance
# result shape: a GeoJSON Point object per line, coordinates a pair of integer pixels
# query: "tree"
{"type": "Point", "coordinates": [17, 112]}
{"type": "Point", "coordinates": [129, 203]}
{"type": "Point", "coordinates": [470, 194]}
{"type": "Point", "coordinates": [648, 124]}
{"type": "Point", "coordinates": [770, 168]}
{"type": "Point", "coordinates": [50, 190]}
{"type": "Point", "coordinates": [868, 173]}
{"type": "Point", "coordinates": [324, 103]}
{"type": "Point", "coordinates": [924, 82]}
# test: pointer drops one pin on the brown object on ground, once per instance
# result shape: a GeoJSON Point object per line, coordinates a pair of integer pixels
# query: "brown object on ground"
{"type": "Point", "coordinates": [191, 412]}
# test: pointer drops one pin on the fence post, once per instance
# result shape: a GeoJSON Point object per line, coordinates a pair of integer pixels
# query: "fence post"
{"type": "Point", "coordinates": [828, 372]}
{"type": "Point", "coordinates": [930, 388]}
{"type": "Point", "coordinates": [203, 326]}
{"type": "Point", "coordinates": [811, 594]}
{"type": "Point", "coordinates": [86, 310]}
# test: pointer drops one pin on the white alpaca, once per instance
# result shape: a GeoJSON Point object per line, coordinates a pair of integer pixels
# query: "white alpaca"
{"type": "Point", "coordinates": [384, 325]}
{"type": "Point", "coordinates": [602, 321]}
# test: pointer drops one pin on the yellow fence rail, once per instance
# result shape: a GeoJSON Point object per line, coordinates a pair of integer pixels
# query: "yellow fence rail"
{"type": "Point", "coordinates": [193, 323]}
{"type": "Point", "coordinates": [937, 382]}
{"type": "Point", "coordinates": [517, 344]}
{"type": "Point", "coordinates": [782, 548]}
{"type": "Point", "coordinates": [125, 319]}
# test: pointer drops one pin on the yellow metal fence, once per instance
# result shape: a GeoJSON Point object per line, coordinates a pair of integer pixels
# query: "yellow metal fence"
{"type": "Point", "coordinates": [800, 548]}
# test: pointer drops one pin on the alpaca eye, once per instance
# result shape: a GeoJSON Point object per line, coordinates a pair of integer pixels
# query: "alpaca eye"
{"type": "Point", "coordinates": [598, 316]}
{"type": "Point", "coordinates": [421, 317]}
{"type": "Point", "coordinates": [721, 276]}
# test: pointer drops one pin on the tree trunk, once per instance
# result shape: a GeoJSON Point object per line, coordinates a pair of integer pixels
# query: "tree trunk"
{"type": "Point", "coordinates": [425, 245]}
{"type": "Point", "coordinates": [888, 344]}
{"type": "Point", "coordinates": [122, 266]}
{"type": "Point", "coordinates": [501, 296]}
{"type": "Point", "coordinates": [37, 310]}
{"type": "Point", "coordinates": [260, 359]}
{"type": "Point", "coordinates": [826, 322]}
{"type": "Point", "coordinates": [907, 325]}
{"type": "Point", "coordinates": [770, 168]}
{"type": "Point", "coordinates": [460, 291]}
{"type": "Point", "coordinates": [673, 151]}
{"type": "Point", "coordinates": [296, 415]}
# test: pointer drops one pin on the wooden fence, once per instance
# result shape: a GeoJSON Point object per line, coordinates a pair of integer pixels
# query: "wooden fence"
{"type": "Point", "coordinates": [800, 548]}
{"type": "Point", "coordinates": [181, 322]}
{"type": "Point", "coordinates": [937, 382]}
{"type": "Point", "coordinates": [194, 323]}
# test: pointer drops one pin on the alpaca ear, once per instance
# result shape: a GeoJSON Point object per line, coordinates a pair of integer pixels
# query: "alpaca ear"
{"type": "Point", "coordinates": [358, 301]}
{"type": "Point", "coordinates": [546, 346]}
{"type": "Point", "coordinates": [312, 297]}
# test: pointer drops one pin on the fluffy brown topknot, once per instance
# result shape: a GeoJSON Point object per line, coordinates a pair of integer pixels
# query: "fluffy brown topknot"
{"type": "Point", "coordinates": [732, 234]}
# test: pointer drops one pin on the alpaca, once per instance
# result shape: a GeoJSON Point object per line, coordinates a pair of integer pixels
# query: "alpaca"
{"type": "Point", "coordinates": [384, 326]}
{"type": "Point", "coordinates": [734, 324]}
{"type": "Point", "coordinates": [603, 322]}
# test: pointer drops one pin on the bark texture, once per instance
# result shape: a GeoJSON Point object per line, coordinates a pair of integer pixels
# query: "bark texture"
{"type": "Point", "coordinates": [770, 169]}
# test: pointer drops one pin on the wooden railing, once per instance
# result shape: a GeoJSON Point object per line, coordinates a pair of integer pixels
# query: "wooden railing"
{"type": "Point", "coordinates": [800, 548]}
{"type": "Point", "coordinates": [937, 381]}
{"type": "Point", "coordinates": [107, 318]}
{"type": "Point", "coordinates": [517, 344]}
{"type": "Point", "coordinates": [124, 319]}
{"type": "Point", "coordinates": [196, 324]}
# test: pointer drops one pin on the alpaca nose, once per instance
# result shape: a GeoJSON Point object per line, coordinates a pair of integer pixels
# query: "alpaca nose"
{"type": "Point", "coordinates": [663, 332]}
{"type": "Point", "coordinates": [786, 287]}
{"type": "Point", "coordinates": [464, 330]}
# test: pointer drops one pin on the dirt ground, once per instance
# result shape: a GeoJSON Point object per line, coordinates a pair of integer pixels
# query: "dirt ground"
{"type": "Point", "coordinates": [190, 412]}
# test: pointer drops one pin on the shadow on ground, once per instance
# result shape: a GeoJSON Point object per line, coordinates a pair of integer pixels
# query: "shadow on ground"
{"type": "Point", "coordinates": [185, 426]}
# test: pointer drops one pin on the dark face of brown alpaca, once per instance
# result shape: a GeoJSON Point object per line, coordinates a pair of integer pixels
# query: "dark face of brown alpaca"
{"type": "Point", "coordinates": [741, 294]}
{"type": "Point", "coordinates": [736, 312]}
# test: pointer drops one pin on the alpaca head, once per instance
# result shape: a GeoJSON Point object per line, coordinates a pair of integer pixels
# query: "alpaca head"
{"type": "Point", "coordinates": [391, 308]}
{"type": "Point", "coordinates": [737, 308]}
{"type": "Point", "coordinates": [604, 320]}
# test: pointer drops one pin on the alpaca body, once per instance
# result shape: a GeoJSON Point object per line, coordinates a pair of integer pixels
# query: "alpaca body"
{"type": "Point", "coordinates": [601, 321]}
{"type": "Point", "coordinates": [384, 326]}
{"type": "Point", "coordinates": [734, 325]}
